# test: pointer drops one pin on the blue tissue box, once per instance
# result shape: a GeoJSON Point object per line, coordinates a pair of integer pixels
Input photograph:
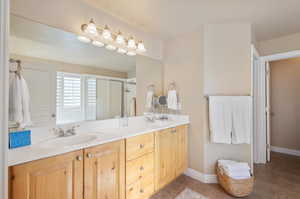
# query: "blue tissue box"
{"type": "Point", "coordinates": [19, 139]}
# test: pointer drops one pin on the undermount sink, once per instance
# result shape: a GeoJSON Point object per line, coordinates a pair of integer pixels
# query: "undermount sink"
{"type": "Point", "coordinates": [68, 141]}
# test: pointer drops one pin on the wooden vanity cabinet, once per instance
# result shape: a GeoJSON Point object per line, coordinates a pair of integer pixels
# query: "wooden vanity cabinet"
{"type": "Point", "coordinates": [58, 177]}
{"type": "Point", "coordinates": [93, 173]}
{"type": "Point", "coordinates": [104, 171]}
{"type": "Point", "coordinates": [170, 155]}
{"type": "Point", "coordinates": [134, 168]}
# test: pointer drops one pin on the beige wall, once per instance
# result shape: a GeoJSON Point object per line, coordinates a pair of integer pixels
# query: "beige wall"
{"type": "Point", "coordinates": [285, 103]}
{"type": "Point", "coordinates": [213, 60]}
{"type": "Point", "coordinates": [227, 61]}
{"type": "Point", "coordinates": [279, 45]}
{"type": "Point", "coordinates": [184, 65]}
{"type": "Point", "coordinates": [66, 67]}
{"type": "Point", "coordinates": [68, 15]}
{"type": "Point", "coordinates": [148, 71]}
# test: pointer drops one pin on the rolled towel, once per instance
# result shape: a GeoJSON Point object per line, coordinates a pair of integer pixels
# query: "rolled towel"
{"type": "Point", "coordinates": [231, 166]}
{"type": "Point", "coordinates": [238, 174]}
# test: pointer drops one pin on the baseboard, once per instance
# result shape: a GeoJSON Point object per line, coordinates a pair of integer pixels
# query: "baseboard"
{"type": "Point", "coordinates": [205, 178]}
{"type": "Point", "coordinates": [285, 150]}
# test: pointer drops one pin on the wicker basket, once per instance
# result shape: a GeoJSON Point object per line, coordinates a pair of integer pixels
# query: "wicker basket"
{"type": "Point", "coordinates": [236, 188]}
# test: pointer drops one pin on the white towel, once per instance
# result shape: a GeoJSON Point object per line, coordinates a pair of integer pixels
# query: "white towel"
{"type": "Point", "coordinates": [241, 114]}
{"type": "Point", "coordinates": [149, 99]}
{"type": "Point", "coordinates": [220, 119]}
{"type": "Point", "coordinates": [19, 100]}
{"type": "Point", "coordinates": [172, 100]}
{"type": "Point", "coordinates": [236, 170]}
{"type": "Point", "coordinates": [233, 166]}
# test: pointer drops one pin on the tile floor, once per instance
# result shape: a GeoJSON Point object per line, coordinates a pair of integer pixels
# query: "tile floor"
{"type": "Point", "coordinates": [279, 179]}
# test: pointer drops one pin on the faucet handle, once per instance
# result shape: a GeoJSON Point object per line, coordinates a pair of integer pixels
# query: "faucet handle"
{"type": "Point", "coordinates": [58, 131]}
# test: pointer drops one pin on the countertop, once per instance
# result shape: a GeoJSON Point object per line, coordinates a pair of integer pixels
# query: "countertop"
{"type": "Point", "coordinates": [101, 132]}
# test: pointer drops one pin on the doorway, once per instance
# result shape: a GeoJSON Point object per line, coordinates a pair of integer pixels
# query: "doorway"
{"type": "Point", "coordinates": [264, 114]}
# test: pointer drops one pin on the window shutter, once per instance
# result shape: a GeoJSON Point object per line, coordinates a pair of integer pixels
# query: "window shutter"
{"type": "Point", "coordinates": [69, 98]}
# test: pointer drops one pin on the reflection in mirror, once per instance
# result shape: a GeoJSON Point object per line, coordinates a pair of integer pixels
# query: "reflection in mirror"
{"type": "Point", "coordinates": [70, 81]}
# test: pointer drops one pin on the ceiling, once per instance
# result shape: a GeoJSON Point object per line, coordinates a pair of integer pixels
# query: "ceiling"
{"type": "Point", "coordinates": [168, 18]}
{"type": "Point", "coordinates": [32, 39]}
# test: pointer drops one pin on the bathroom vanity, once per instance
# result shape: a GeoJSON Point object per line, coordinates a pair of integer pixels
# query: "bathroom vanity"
{"type": "Point", "coordinates": [128, 162]}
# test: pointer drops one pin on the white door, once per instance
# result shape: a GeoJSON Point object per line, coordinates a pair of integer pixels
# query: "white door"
{"type": "Point", "coordinates": [268, 111]}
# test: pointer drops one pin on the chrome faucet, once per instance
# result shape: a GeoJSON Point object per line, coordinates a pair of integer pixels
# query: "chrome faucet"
{"type": "Point", "coordinates": [66, 133]}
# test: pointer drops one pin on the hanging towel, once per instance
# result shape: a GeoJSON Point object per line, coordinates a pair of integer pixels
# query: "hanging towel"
{"type": "Point", "coordinates": [220, 119]}
{"type": "Point", "coordinates": [172, 100]}
{"type": "Point", "coordinates": [19, 100]}
{"type": "Point", "coordinates": [241, 114]}
{"type": "Point", "coordinates": [149, 99]}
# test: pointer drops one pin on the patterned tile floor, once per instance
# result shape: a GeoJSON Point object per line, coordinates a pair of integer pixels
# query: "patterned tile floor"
{"type": "Point", "coordinates": [279, 179]}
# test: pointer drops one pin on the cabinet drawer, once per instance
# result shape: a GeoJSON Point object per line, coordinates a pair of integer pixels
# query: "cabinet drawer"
{"type": "Point", "coordinates": [139, 145]}
{"type": "Point", "coordinates": [141, 189]}
{"type": "Point", "coordinates": [139, 168]}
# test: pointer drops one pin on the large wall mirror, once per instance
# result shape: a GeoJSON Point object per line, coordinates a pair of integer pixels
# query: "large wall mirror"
{"type": "Point", "coordinates": [68, 80]}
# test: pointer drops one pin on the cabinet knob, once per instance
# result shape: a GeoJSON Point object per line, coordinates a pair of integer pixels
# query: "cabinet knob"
{"type": "Point", "coordinates": [142, 191]}
{"type": "Point", "coordinates": [89, 155]}
{"type": "Point", "coordinates": [141, 168]}
{"type": "Point", "coordinates": [141, 146]}
{"type": "Point", "coordinates": [79, 158]}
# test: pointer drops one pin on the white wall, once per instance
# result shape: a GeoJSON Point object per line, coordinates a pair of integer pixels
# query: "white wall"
{"type": "Point", "coordinates": [148, 71]}
{"type": "Point", "coordinates": [279, 45]}
{"type": "Point", "coordinates": [69, 15]}
{"type": "Point", "coordinates": [227, 61]}
{"type": "Point", "coordinates": [216, 59]}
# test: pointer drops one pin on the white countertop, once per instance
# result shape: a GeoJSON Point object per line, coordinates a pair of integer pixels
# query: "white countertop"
{"type": "Point", "coordinates": [101, 132]}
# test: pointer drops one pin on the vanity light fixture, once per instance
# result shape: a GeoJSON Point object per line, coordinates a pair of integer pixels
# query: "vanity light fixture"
{"type": "Point", "coordinates": [120, 39]}
{"type": "Point", "coordinates": [131, 43]}
{"type": "Point", "coordinates": [106, 34]}
{"type": "Point", "coordinates": [110, 47]}
{"type": "Point", "coordinates": [90, 28]}
{"type": "Point", "coordinates": [141, 47]}
{"type": "Point", "coordinates": [98, 43]}
{"type": "Point", "coordinates": [121, 51]}
{"type": "Point", "coordinates": [83, 39]}
{"type": "Point", "coordinates": [105, 37]}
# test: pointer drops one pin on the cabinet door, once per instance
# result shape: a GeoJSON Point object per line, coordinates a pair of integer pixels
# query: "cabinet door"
{"type": "Point", "coordinates": [57, 177]}
{"type": "Point", "coordinates": [165, 152]}
{"type": "Point", "coordinates": [181, 155]}
{"type": "Point", "coordinates": [104, 168]}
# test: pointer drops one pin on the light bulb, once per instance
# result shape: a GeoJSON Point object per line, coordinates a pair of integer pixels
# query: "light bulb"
{"type": "Point", "coordinates": [110, 47]}
{"type": "Point", "coordinates": [98, 43]}
{"type": "Point", "coordinates": [131, 53]}
{"type": "Point", "coordinates": [120, 39]}
{"type": "Point", "coordinates": [91, 28]}
{"type": "Point", "coordinates": [121, 51]}
{"type": "Point", "coordinates": [131, 43]}
{"type": "Point", "coordinates": [141, 47]}
{"type": "Point", "coordinates": [106, 34]}
{"type": "Point", "coordinates": [84, 39]}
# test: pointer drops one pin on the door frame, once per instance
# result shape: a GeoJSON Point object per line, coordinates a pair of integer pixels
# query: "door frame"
{"type": "Point", "coordinates": [4, 74]}
{"type": "Point", "coordinates": [261, 121]}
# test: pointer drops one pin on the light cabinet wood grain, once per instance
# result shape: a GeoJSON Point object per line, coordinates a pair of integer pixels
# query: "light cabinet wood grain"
{"type": "Point", "coordinates": [170, 155]}
{"type": "Point", "coordinates": [181, 156]}
{"type": "Point", "coordinates": [139, 145]}
{"type": "Point", "coordinates": [58, 177]}
{"type": "Point", "coordinates": [139, 168]}
{"type": "Point", "coordinates": [141, 189]}
{"type": "Point", "coordinates": [104, 171]}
